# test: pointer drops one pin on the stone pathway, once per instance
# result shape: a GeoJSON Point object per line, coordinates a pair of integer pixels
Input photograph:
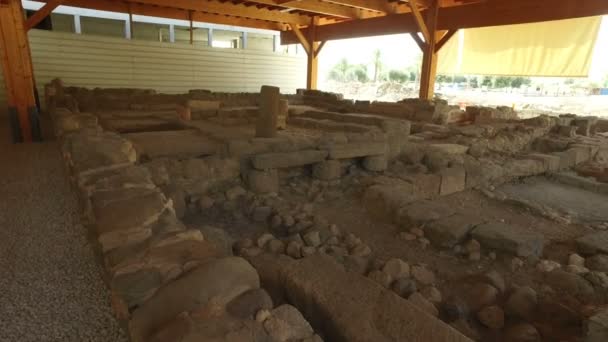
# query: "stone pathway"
{"type": "Point", "coordinates": [51, 287]}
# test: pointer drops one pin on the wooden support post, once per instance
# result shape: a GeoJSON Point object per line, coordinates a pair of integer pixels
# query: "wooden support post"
{"type": "Point", "coordinates": [429, 57]}
{"type": "Point", "coordinates": [18, 75]}
{"type": "Point", "coordinates": [312, 68]}
{"type": "Point", "coordinates": [191, 28]}
{"type": "Point", "coordinates": [312, 48]}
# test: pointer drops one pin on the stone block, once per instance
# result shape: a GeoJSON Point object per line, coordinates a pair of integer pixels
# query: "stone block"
{"type": "Point", "coordinates": [421, 213]}
{"type": "Point", "coordinates": [327, 170]}
{"type": "Point", "coordinates": [203, 105]}
{"type": "Point", "coordinates": [550, 162]}
{"type": "Point", "coordinates": [452, 180]}
{"type": "Point", "coordinates": [593, 243]}
{"type": "Point", "coordinates": [450, 231]}
{"type": "Point", "coordinates": [263, 182]}
{"type": "Point", "coordinates": [266, 124]}
{"type": "Point", "coordinates": [449, 149]}
{"type": "Point", "coordinates": [567, 159]}
{"type": "Point", "coordinates": [287, 159]}
{"type": "Point", "coordinates": [509, 238]}
{"type": "Point", "coordinates": [383, 201]}
{"type": "Point", "coordinates": [596, 327]}
{"type": "Point", "coordinates": [566, 131]}
{"type": "Point", "coordinates": [374, 313]}
{"type": "Point", "coordinates": [375, 163]}
{"type": "Point", "coordinates": [426, 185]}
{"type": "Point", "coordinates": [221, 280]}
{"type": "Point", "coordinates": [356, 150]}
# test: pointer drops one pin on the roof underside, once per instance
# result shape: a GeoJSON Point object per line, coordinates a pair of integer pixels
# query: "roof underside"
{"type": "Point", "coordinates": [339, 19]}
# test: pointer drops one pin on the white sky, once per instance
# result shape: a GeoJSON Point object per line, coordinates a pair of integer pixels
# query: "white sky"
{"type": "Point", "coordinates": [398, 51]}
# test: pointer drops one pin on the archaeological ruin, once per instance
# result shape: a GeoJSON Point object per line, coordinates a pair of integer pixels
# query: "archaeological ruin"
{"type": "Point", "coordinates": [171, 171]}
{"type": "Point", "coordinates": [309, 217]}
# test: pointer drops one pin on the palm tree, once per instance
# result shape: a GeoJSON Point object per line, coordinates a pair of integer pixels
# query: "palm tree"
{"type": "Point", "coordinates": [377, 61]}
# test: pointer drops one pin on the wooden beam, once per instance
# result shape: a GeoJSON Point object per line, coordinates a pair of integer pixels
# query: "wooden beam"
{"type": "Point", "coordinates": [319, 48]}
{"type": "Point", "coordinates": [418, 40]}
{"type": "Point", "coordinates": [321, 7]}
{"type": "Point", "coordinates": [16, 63]}
{"type": "Point", "coordinates": [191, 27]}
{"type": "Point", "coordinates": [419, 21]}
{"type": "Point", "coordinates": [301, 38]}
{"type": "Point", "coordinates": [381, 6]}
{"type": "Point", "coordinates": [42, 13]}
{"type": "Point", "coordinates": [457, 17]}
{"type": "Point", "coordinates": [172, 13]}
{"type": "Point", "coordinates": [446, 38]}
{"type": "Point", "coordinates": [227, 8]}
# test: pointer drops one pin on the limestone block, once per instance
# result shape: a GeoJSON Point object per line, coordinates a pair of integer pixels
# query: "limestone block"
{"type": "Point", "coordinates": [452, 180]}
{"type": "Point", "coordinates": [449, 231]}
{"type": "Point", "coordinates": [220, 280]}
{"type": "Point", "coordinates": [327, 170]}
{"type": "Point", "coordinates": [426, 185]}
{"type": "Point", "coordinates": [421, 213]}
{"type": "Point", "coordinates": [283, 113]}
{"type": "Point", "coordinates": [203, 105]}
{"type": "Point", "coordinates": [593, 243]}
{"type": "Point", "coordinates": [288, 159]}
{"type": "Point", "coordinates": [509, 238]}
{"type": "Point", "coordinates": [375, 163]}
{"type": "Point", "coordinates": [567, 159]}
{"type": "Point", "coordinates": [567, 131]}
{"type": "Point", "coordinates": [356, 150]}
{"type": "Point", "coordinates": [375, 313]}
{"type": "Point", "coordinates": [266, 125]}
{"type": "Point", "coordinates": [596, 327]}
{"type": "Point", "coordinates": [449, 149]}
{"type": "Point", "coordinates": [550, 162]}
{"type": "Point", "coordinates": [263, 182]}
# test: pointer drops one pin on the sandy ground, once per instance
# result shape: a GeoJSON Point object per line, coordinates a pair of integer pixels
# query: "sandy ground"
{"type": "Point", "coordinates": [51, 287]}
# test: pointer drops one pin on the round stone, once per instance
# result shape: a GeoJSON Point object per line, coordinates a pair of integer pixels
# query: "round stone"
{"type": "Point", "coordinates": [492, 317]}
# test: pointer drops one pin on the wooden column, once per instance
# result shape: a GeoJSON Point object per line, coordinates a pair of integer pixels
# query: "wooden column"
{"type": "Point", "coordinates": [429, 55]}
{"type": "Point", "coordinates": [312, 48]}
{"type": "Point", "coordinates": [17, 68]}
{"type": "Point", "coordinates": [312, 69]}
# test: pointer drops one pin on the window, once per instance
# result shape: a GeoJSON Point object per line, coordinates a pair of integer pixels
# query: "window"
{"type": "Point", "coordinates": [199, 35]}
{"type": "Point", "coordinates": [103, 27]}
{"type": "Point", "coordinates": [260, 41]}
{"type": "Point", "coordinates": [62, 22]}
{"type": "Point", "coordinates": [227, 39]}
{"type": "Point", "coordinates": [150, 32]}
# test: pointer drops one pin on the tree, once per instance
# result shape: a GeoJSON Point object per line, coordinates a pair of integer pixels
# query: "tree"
{"type": "Point", "coordinates": [359, 73]}
{"type": "Point", "coordinates": [339, 72]}
{"type": "Point", "coordinates": [502, 82]}
{"type": "Point", "coordinates": [487, 81]}
{"type": "Point", "coordinates": [398, 76]}
{"type": "Point", "coordinates": [473, 82]}
{"type": "Point", "coordinates": [460, 79]}
{"type": "Point", "coordinates": [377, 62]}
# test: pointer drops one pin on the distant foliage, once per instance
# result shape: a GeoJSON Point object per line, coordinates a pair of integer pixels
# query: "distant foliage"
{"type": "Point", "coordinates": [400, 76]}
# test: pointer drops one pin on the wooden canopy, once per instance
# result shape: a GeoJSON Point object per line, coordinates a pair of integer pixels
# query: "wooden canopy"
{"type": "Point", "coordinates": [308, 22]}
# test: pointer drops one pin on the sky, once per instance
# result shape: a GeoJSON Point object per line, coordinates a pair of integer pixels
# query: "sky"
{"type": "Point", "coordinates": [398, 51]}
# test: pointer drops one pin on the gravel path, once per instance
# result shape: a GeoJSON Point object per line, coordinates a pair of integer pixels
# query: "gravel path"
{"type": "Point", "coordinates": [51, 287]}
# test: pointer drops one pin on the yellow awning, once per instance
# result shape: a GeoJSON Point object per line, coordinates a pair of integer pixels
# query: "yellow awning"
{"type": "Point", "coordinates": [555, 48]}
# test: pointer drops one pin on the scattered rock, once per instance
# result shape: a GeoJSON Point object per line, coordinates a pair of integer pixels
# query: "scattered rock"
{"type": "Point", "coordinates": [576, 269]}
{"type": "Point", "coordinates": [286, 323]}
{"type": "Point", "coordinates": [261, 214]}
{"type": "Point", "coordinates": [312, 238]}
{"type": "Point", "coordinates": [597, 327]}
{"type": "Point", "coordinates": [275, 246]}
{"type": "Point", "coordinates": [522, 332]}
{"type": "Point", "coordinates": [598, 262]}
{"type": "Point", "coordinates": [480, 295]}
{"type": "Point", "coordinates": [407, 236]}
{"type": "Point", "coordinates": [570, 283]}
{"type": "Point", "coordinates": [492, 317]}
{"type": "Point", "coordinates": [577, 260]}
{"type": "Point", "coordinates": [516, 263]}
{"type": "Point", "coordinates": [404, 287]}
{"type": "Point", "coordinates": [522, 303]}
{"type": "Point", "coordinates": [235, 192]}
{"type": "Point", "coordinates": [262, 315]}
{"type": "Point", "coordinates": [432, 294]}
{"type": "Point", "coordinates": [495, 279]}
{"type": "Point", "coordinates": [423, 275]}
{"type": "Point", "coordinates": [294, 249]}
{"type": "Point", "coordinates": [264, 239]}
{"type": "Point", "coordinates": [396, 268]}
{"type": "Point", "coordinates": [509, 238]}
{"type": "Point", "coordinates": [248, 304]}
{"type": "Point", "coordinates": [361, 250]}
{"type": "Point", "coordinates": [380, 278]}
{"type": "Point", "coordinates": [205, 203]}
{"type": "Point", "coordinates": [308, 250]}
{"type": "Point", "coordinates": [472, 246]}
{"type": "Point", "coordinates": [548, 265]}
{"type": "Point", "coordinates": [597, 279]}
